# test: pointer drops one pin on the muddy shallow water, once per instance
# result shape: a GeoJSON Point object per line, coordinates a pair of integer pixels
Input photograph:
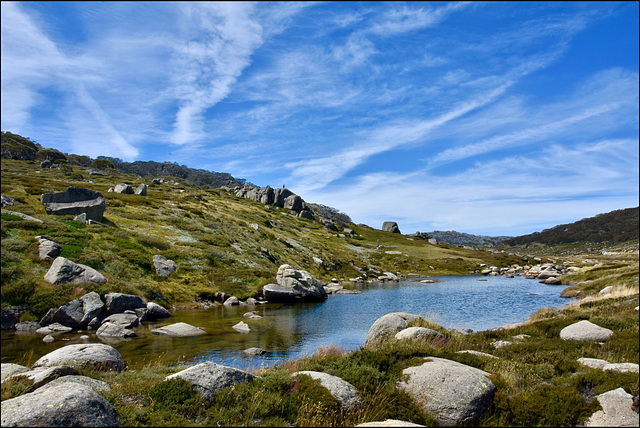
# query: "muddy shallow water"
{"type": "Point", "coordinates": [293, 331]}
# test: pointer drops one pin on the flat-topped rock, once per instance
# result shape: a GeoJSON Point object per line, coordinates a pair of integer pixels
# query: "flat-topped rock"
{"type": "Point", "coordinates": [74, 201]}
{"type": "Point", "coordinates": [209, 377]}
{"type": "Point", "coordinates": [585, 330]}
{"type": "Point", "coordinates": [594, 363]}
{"type": "Point", "coordinates": [95, 384]}
{"type": "Point", "coordinates": [179, 329]}
{"type": "Point", "coordinates": [43, 375]}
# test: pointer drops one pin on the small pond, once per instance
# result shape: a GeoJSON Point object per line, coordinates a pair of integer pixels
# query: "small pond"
{"type": "Point", "coordinates": [290, 332]}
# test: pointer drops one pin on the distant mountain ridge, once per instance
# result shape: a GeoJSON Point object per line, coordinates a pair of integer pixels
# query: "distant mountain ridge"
{"type": "Point", "coordinates": [460, 238]}
{"type": "Point", "coordinates": [615, 227]}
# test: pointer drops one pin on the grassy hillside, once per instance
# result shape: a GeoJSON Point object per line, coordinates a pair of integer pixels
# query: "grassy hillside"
{"type": "Point", "coordinates": [219, 241]}
{"type": "Point", "coordinates": [613, 227]}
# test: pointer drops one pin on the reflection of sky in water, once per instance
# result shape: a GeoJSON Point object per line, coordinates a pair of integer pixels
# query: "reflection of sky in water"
{"type": "Point", "coordinates": [293, 331]}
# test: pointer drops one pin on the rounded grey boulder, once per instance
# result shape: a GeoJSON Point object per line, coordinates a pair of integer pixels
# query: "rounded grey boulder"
{"type": "Point", "coordinates": [96, 356]}
{"type": "Point", "coordinates": [68, 404]}
{"type": "Point", "coordinates": [209, 377]}
{"type": "Point", "coordinates": [452, 393]}
{"type": "Point", "coordinates": [178, 329]}
{"type": "Point", "coordinates": [387, 326]}
{"type": "Point", "coordinates": [585, 330]}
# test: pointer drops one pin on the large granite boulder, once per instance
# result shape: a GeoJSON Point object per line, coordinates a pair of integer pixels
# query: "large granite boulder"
{"type": "Point", "coordinates": [452, 393]}
{"type": "Point", "coordinates": [390, 226]}
{"type": "Point", "coordinates": [294, 285]}
{"type": "Point", "coordinates": [164, 266]}
{"type": "Point", "coordinates": [74, 201]}
{"type": "Point", "coordinates": [67, 404]}
{"type": "Point", "coordinates": [279, 195]}
{"type": "Point", "coordinates": [585, 330]}
{"type": "Point", "coordinates": [387, 326]}
{"type": "Point", "coordinates": [343, 391]}
{"type": "Point", "coordinates": [293, 202]}
{"type": "Point", "coordinates": [617, 410]}
{"type": "Point", "coordinates": [179, 329]}
{"type": "Point", "coordinates": [92, 307]}
{"type": "Point", "coordinates": [124, 320]}
{"type": "Point", "coordinates": [117, 303]}
{"type": "Point", "coordinates": [10, 316]}
{"type": "Point", "coordinates": [95, 356]}
{"type": "Point", "coordinates": [63, 271]}
{"type": "Point", "coordinates": [209, 377]}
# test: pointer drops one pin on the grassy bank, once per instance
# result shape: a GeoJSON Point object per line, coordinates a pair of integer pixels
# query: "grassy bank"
{"type": "Point", "coordinates": [538, 378]}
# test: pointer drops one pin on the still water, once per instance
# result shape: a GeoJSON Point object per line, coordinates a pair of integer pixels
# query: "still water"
{"type": "Point", "coordinates": [289, 332]}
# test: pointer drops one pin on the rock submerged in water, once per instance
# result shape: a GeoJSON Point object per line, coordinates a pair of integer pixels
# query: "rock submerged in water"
{"type": "Point", "coordinates": [294, 285]}
{"type": "Point", "coordinates": [179, 329]}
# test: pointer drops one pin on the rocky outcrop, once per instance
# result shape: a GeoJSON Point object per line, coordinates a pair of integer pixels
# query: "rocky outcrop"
{"type": "Point", "coordinates": [341, 390]}
{"type": "Point", "coordinates": [179, 329]}
{"type": "Point", "coordinates": [95, 356]}
{"type": "Point", "coordinates": [294, 285]}
{"type": "Point", "coordinates": [10, 316]}
{"type": "Point", "coordinates": [209, 377]}
{"type": "Point", "coordinates": [7, 201]}
{"type": "Point", "coordinates": [24, 216]}
{"type": "Point", "coordinates": [64, 271]}
{"type": "Point", "coordinates": [390, 226]}
{"type": "Point", "coordinates": [387, 326]}
{"type": "Point", "coordinates": [585, 330]}
{"type": "Point", "coordinates": [617, 410]}
{"type": "Point", "coordinates": [164, 267]}
{"type": "Point", "coordinates": [452, 393]}
{"type": "Point", "coordinates": [74, 201]}
{"type": "Point", "coordinates": [66, 404]}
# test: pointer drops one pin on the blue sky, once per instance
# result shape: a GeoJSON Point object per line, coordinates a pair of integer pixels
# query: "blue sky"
{"type": "Point", "coordinates": [499, 118]}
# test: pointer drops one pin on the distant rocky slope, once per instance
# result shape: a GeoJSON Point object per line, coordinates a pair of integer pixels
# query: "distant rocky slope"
{"type": "Point", "coordinates": [460, 238]}
{"type": "Point", "coordinates": [614, 227]}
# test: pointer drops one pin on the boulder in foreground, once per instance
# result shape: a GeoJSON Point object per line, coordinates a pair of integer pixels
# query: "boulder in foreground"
{"type": "Point", "coordinates": [452, 393]}
{"type": "Point", "coordinates": [68, 404]}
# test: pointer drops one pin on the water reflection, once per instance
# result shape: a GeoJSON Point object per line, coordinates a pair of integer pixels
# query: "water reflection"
{"type": "Point", "coordinates": [292, 331]}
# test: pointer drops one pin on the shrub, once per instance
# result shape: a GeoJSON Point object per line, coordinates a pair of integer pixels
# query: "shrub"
{"type": "Point", "coordinates": [102, 164]}
{"type": "Point", "coordinates": [171, 393]}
